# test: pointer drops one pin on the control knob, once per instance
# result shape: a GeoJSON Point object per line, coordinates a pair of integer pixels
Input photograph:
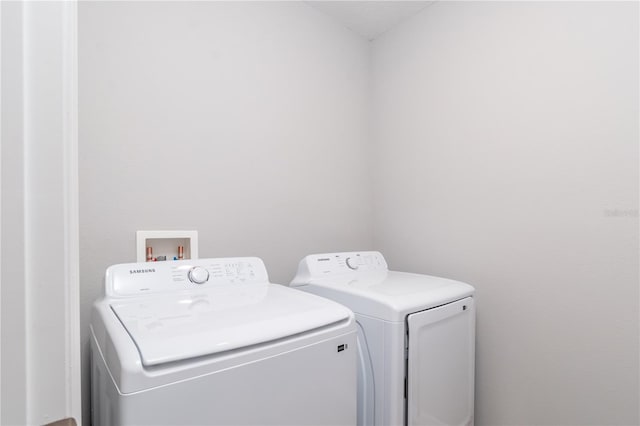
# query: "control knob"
{"type": "Point", "coordinates": [351, 263]}
{"type": "Point", "coordinates": [198, 275]}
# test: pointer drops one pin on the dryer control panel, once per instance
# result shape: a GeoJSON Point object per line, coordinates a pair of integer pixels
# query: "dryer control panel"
{"type": "Point", "coordinates": [134, 279]}
{"type": "Point", "coordinates": [330, 264]}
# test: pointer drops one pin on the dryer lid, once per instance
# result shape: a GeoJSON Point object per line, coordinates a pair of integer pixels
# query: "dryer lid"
{"type": "Point", "coordinates": [389, 295]}
{"type": "Point", "coordinates": [189, 325]}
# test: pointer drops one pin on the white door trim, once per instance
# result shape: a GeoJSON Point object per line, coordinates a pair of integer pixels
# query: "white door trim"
{"type": "Point", "coordinates": [71, 205]}
{"type": "Point", "coordinates": [40, 365]}
{"type": "Point", "coordinates": [13, 364]}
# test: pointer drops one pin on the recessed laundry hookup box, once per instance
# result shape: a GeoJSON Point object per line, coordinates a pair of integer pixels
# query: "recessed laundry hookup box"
{"type": "Point", "coordinates": [152, 246]}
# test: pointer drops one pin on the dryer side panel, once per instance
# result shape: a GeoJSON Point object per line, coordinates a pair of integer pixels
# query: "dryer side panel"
{"type": "Point", "coordinates": [441, 365]}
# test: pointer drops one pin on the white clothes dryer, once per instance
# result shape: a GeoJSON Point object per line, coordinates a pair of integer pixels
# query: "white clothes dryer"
{"type": "Point", "coordinates": [416, 338]}
{"type": "Point", "coordinates": [212, 342]}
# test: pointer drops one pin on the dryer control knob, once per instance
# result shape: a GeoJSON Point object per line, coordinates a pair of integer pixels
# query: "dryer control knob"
{"type": "Point", "coordinates": [198, 275]}
{"type": "Point", "coordinates": [351, 263]}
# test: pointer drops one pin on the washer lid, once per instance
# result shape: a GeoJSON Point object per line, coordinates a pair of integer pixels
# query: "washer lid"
{"type": "Point", "coordinates": [188, 325]}
{"type": "Point", "coordinates": [389, 295]}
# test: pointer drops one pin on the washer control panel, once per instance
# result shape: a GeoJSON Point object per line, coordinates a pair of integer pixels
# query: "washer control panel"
{"type": "Point", "coordinates": [328, 264]}
{"type": "Point", "coordinates": [133, 279]}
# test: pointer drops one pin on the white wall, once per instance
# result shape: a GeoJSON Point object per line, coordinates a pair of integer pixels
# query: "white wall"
{"type": "Point", "coordinates": [507, 157]}
{"type": "Point", "coordinates": [244, 121]}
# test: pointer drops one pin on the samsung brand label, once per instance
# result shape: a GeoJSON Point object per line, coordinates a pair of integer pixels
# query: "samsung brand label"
{"type": "Point", "coordinates": [141, 271]}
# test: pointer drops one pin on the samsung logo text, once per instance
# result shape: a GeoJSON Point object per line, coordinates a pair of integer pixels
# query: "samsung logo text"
{"type": "Point", "coordinates": [141, 271]}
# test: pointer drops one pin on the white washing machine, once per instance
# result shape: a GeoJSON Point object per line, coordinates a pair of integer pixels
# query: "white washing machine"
{"type": "Point", "coordinates": [416, 338]}
{"type": "Point", "coordinates": [212, 342]}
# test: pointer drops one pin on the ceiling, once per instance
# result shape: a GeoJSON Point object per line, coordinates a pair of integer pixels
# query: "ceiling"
{"type": "Point", "coordinates": [370, 18]}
